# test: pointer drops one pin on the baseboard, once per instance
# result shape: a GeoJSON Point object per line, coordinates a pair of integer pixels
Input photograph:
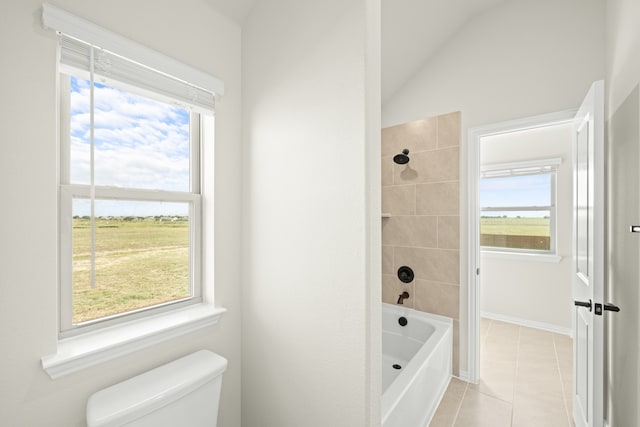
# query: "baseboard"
{"type": "Point", "coordinates": [527, 323]}
{"type": "Point", "coordinates": [462, 375]}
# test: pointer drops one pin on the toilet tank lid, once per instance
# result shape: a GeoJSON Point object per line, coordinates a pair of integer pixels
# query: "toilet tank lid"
{"type": "Point", "coordinates": [153, 389]}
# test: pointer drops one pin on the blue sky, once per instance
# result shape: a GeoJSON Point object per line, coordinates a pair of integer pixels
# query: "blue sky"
{"type": "Point", "coordinates": [522, 190]}
{"type": "Point", "coordinates": [138, 143]}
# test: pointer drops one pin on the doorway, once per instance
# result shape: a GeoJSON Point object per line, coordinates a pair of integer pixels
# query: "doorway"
{"type": "Point", "coordinates": [511, 270]}
{"type": "Point", "coordinates": [520, 216]}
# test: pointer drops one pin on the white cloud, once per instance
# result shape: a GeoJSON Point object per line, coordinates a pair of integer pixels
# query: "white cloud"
{"type": "Point", "coordinates": [138, 142]}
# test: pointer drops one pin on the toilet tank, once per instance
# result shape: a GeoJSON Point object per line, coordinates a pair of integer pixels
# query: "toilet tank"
{"type": "Point", "coordinates": [185, 392]}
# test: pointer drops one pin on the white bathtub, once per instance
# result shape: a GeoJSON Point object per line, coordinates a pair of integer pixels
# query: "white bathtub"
{"type": "Point", "coordinates": [422, 348]}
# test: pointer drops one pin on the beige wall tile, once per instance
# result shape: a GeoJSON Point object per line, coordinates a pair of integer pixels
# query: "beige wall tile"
{"type": "Point", "coordinates": [435, 265]}
{"type": "Point", "coordinates": [392, 287]}
{"type": "Point", "coordinates": [449, 130]}
{"type": "Point", "coordinates": [449, 232]}
{"type": "Point", "coordinates": [387, 171]}
{"type": "Point", "coordinates": [416, 136]}
{"type": "Point", "coordinates": [399, 200]}
{"type": "Point", "coordinates": [438, 199]}
{"type": "Point", "coordinates": [387, 260]}
{"type": "Point", "coordinates": [415, 195]}
{"type": "Point", "coordinates": [437, 298]}
{"type": "Point", "coordinates": [414, 231]}
{"type": "Point", "coordinates": [387, 138]}
{"type": "Point", "coordinates": [429, 166]}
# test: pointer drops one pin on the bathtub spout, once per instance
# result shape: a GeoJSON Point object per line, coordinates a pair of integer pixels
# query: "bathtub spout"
{"type": "Point", "coordinates": [403, 297]}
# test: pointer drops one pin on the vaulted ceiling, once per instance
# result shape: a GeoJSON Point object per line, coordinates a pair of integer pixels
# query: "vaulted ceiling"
{"type": "Point", "coordinates": [412, 31]}
{"type": "Point", "coordinates": [237, 10]}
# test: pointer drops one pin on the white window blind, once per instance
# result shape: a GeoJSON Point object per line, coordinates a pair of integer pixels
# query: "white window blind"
{"type": "Point", "coordinates": [520, 168]}
{"type": "Point", "coordinates": [123, 63]}
{"type": "Point", "coordinates": [116, 71]}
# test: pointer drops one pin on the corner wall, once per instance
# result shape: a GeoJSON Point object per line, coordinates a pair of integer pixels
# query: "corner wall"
{"type": "Point", "coordinates": [310, 327]}
{"type": "Point", "coordinates": [189, 31]}
{"type": "Point", "coordinates": [519, 59]}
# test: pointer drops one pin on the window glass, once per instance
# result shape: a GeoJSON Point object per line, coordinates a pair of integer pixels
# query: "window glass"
{"type": "Point", "coordinates": [133, 249]}
{"type": "Point", "coordinates": [141, 256]}
{"type": "Point", "coordinates": [516, 212]}
{"type": "Point", "coordinates": [138, 142]}
{"type": "Point", "coordinates": [517, 190]}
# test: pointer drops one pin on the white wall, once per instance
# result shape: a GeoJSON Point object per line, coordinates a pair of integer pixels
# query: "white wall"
{"type": "Point", "coordinates": [519, 59]}
{"type": "Point", "coordinates": [623, 101]}
{"type": "Point", "coordinates": [312, 130]}
{"type": "Point", "coordinates": [532, 291]}
{"type": "Point", "coordinates": [189, 31]}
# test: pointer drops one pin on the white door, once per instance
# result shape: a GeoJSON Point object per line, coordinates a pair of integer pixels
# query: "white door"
{"type": "Point", "coordinates": [588, 260]}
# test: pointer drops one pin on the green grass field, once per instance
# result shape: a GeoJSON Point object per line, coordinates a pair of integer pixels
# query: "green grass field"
{"type": "Point", "coordinates": [139, 263]}
{"type": "Point", "coordinates": [515, 226]}
{"type": "Point", "coordinates": [516, 233]}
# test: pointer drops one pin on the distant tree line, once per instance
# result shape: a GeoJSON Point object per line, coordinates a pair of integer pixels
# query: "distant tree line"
{"type": "Point", "coordinates": [161, 218]}
{"type": "Point", "coordinates": [505, 216]}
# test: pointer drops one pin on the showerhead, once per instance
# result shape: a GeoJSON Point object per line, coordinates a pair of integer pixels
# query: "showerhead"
{"type": "Point", "coordinates": [402, 158]}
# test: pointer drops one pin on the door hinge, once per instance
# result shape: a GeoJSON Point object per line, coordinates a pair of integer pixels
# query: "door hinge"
{"type": "Point", "coordinates": [478, 271]}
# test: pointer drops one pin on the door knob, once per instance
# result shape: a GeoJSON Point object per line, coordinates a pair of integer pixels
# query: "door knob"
{"type": "Point", "coordinates": [583, 304]}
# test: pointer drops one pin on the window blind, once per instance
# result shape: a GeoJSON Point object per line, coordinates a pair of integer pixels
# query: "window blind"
{"type": "Point", "coordinates": [114, 70]}
{"type": "Point", "coordinates": [128, 64]}
{"type": "Point", "coordinates": [520, 168]}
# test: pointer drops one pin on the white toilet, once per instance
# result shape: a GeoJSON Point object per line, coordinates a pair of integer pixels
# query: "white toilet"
{"type": "Point", "coordinates": [185, 392]}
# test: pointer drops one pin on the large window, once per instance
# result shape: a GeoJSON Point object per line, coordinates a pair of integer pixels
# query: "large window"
{"type": "Point", "coordinates": [130, 188]}
{"type": "Point", "coordinates": [517, 207]}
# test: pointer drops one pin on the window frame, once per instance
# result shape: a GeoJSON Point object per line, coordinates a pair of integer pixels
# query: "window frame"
{"type": "Point", "coordinates": [534, 167]}
{"type": "Point", "coordinates": [67, 191]}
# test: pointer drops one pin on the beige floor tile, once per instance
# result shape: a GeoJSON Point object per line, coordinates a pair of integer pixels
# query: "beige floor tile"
{"type": "Point", "coordinates": [530, 334]}
{"type": "Point", "coordinates": [526, 380]}
{"type": "Point", "coordinates": [448, 409]}
{"type": "Point", "coordinates": [542, 368]}
{"type": "Point", "coordinates": [539, 410]}
{"type": "Point", "coordinates": [493, 349]}
{"type": "Point", "coordinates": [457, 387]}
{"type": "Point", "coordinates": [504, 330]}
{"type": "Point", "coordinates": [497, 380]}
{"type": "Point", "coordinates": [480, 410]}
{"type": "Point", "coordinates": [544, 385]}
{"type": "Point", "coordinates": [484, 327]}
{"type": "Point", "coordinates": [446, 413]}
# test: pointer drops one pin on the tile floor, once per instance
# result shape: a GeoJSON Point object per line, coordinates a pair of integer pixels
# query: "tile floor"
{"type": "Point", "coordinates": [525, 381]}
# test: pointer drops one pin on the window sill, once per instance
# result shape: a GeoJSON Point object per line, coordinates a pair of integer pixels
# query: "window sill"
{"type": "Point", "coordinates": [86, 350]}
{"type": "Point", "coordinates": [523, 256]}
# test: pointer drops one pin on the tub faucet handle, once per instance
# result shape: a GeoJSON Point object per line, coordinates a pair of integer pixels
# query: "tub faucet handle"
{"type": "Point", "coordinates": [403, 297]}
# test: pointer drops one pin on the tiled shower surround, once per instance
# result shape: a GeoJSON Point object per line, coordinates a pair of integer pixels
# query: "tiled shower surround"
{"type": "Point", "coordinates": [421, 216]}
